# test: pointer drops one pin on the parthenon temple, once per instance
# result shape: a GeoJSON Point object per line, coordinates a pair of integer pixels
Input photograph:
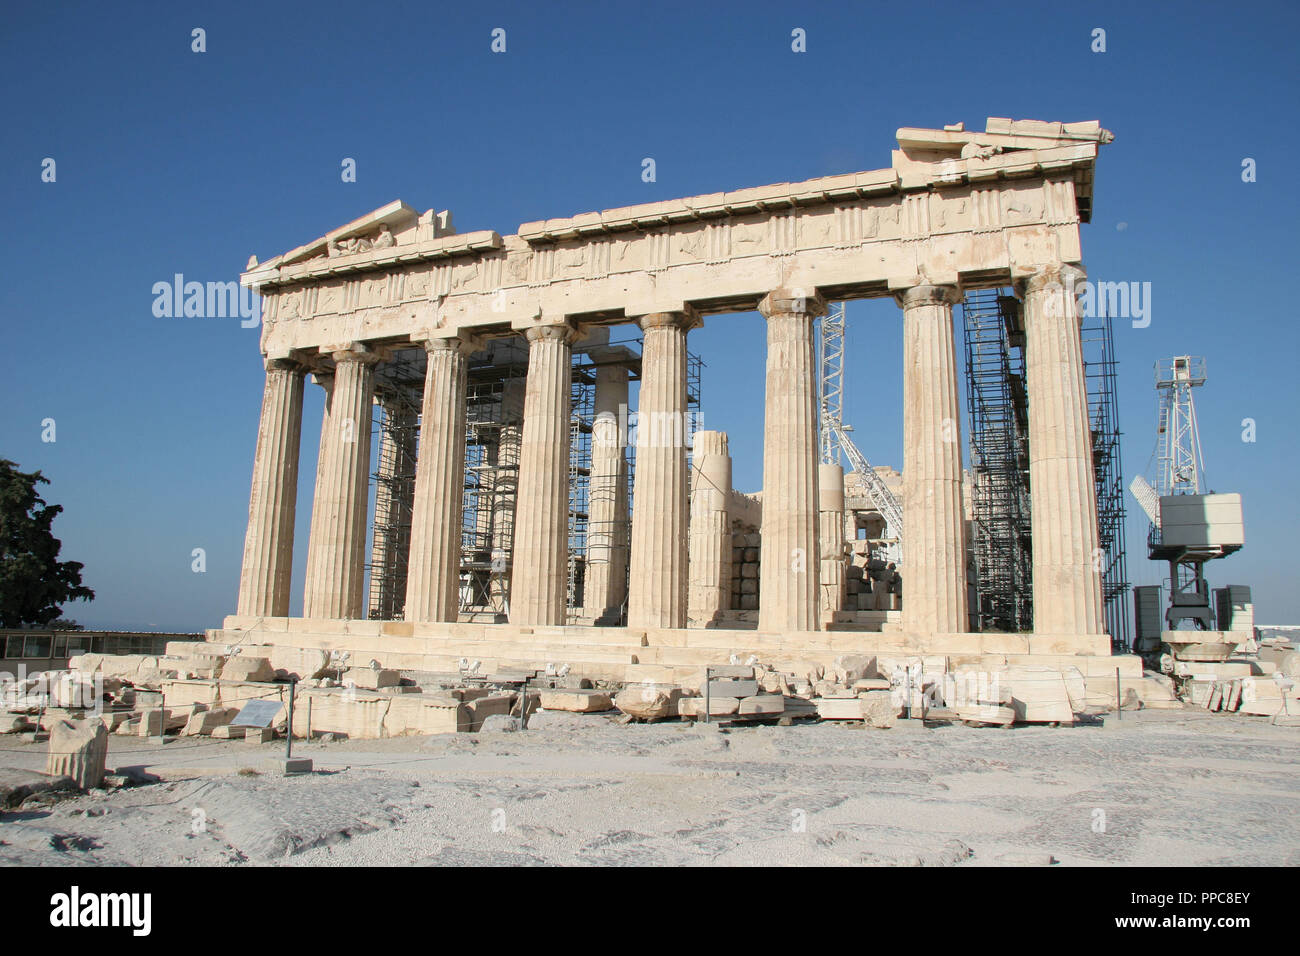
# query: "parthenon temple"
{"type": "Point", "coordinates": [523, 514]}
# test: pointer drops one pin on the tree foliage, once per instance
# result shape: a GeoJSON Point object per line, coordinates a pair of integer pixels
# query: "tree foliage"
{"type": "Point", "coordinates": [33, 581]}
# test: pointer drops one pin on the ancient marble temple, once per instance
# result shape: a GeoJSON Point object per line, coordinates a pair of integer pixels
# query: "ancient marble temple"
{"type": "Point", "coordinates": [955, 210]}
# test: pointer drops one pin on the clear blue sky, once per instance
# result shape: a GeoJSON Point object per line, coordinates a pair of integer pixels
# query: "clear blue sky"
{"type": "Point", "coordinates": [170, 161]}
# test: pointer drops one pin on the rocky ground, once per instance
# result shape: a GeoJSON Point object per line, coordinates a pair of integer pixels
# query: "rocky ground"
{"type": "Point", "coordinates": [1159, 787]}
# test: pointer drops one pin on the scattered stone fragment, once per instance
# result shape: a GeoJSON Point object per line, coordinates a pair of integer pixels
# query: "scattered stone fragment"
{"type": "Point", "coordinates": [854, 667]}
{"type": "Point", "coordinates": [762, 705]}
{"type": "Point", "coordinates": [206, 721]}
{"type": "Point", "coordinates": [14, 724]}
{"type": "Point", "coordinates": [77, 750]}
{"type": "Point", "coordinates": [879, 708]}
{"type": "Point", "coordinates": [838, 708]}
{"type": "Point", "coordinates": [245, 668]}
{"type": "Point", "coordinates": [366, 678]}
{"type": "Point", "coordinates": [870, 683]}
{"type": "Point", "coordinates": [649, 701]}
{"type": "Point", "coordinates": [499, 723]}
{"type": "Point", "coordinates": [576, 701]}
{"type": "Point", "coordinates": [1039, 695]}
{"type": "Point", "coordinates": [734, 688]}
{"type": "Point", "coordinates": [731, 671]}
{"type": "Point", "coordinates": [485, 707]}
{"type": "Point", "coordinates": [718, 706]}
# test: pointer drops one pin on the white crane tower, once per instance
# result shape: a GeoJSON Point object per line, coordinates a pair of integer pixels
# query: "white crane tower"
{"type": "Point", "coordinates": [835, 434]}
{"type": "Point", "coordinates": [1188, 525]}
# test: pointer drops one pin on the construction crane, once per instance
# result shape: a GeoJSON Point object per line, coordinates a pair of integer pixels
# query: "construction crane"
{"type": "Point", "coordinates": [835, 434]}
{"type": "Point", "coordinates": [1188, 525]}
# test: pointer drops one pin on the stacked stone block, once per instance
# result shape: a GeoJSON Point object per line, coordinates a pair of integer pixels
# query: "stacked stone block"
{"type": "Point", "coordinates": [745, 570]}
{"type": "Point", "coordinates": [857, 589]}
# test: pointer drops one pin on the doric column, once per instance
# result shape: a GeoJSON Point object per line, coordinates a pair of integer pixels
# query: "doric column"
{"type": "Point", "coordinates": [789, 563]}
{"type": "Point", "coordinates": [934, 528]}
{"type": "Point", "coordinates": [507, 473]}
{"type": "Point", "coordinates": [484, 495]}
{"type": "Point", "coordinates": [336, 548]}
{"type": "Point", "coordinates": [830, 529]}
{"type": "Point", "coordinates": [394, 490]}
{"type": "Point", "coordinates": [539, 570]}
{"type": "Point", "coordinates": [433, 569]}
{"type": "Point", "coordinates": [268, 544]}
{"type": "Point", "coordinates": [1067, 576]}
{"type": "Point", "coordinates": [709, 564]}
{"type": "Point", "coordinates": [505, 489]}
{"type": "Point", "coordinates": [605, 584]}
{"type": "Point", "coordinates": [657, 572]}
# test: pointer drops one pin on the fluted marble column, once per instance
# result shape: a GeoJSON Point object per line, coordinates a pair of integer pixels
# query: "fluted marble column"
{"type": "Point", "coordinates": [789, 572]}
{"type": "Point", "coordinates": [657, 565]}
{"type": "Point", "coordinates": [1067, 575]}
{"type": "Point", "coordinates": [506, 480]}
{"type": "Point", "coordinates": [264, 579]}
{"type": "Point", "coordinates": [934, 528]}
{"type": "Point", "coordinates": [709, 564]}
{"type": "Point", "coordinates": [336, 548]}
{"type": "Point", "coordinates": [830, 530]}
{"type": "Point", "coordinates": [605, 583]}
{"type": "Point", "coordinates": [433, 569]}
{"type": "Point", "coordinates": [539, 570]}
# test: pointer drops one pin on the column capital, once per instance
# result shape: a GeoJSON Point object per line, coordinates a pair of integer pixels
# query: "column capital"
{"type": "Point", "coordinates": [461, 342]}
{"type": "Point", "coordinates": [789, 300]}
{"type": "Point", "coordinates": [282, 364]}
{"type": "Point", "coordinates": [559, 332]}
{"type": "Point", "coordinates": [685, 320]}
{"type": "Point", "coordinates": [354, 352]}
{"type": "Point", "coordinates": [1054, 274]}
{"type": "Point", "coordinates": [919, 295]}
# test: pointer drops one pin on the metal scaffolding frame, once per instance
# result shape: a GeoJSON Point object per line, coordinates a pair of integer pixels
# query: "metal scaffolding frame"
{"type": "Point", "coordinates": [399, 388]}
{"type": "Point", "coordinates": [493, 436]}
{"type": "Point", "coordinates": [582, 417]}
{"type": "Point", "coordinates": [1100, 369]}
{"type": "Point", "coordinates": [999, 459]}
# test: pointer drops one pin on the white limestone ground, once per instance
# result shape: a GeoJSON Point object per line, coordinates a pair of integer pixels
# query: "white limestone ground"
{"type": "Point", "coordinates": [1176, 788]}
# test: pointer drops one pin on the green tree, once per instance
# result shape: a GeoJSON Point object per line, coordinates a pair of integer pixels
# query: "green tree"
{"type": "Point", "coordinates": [33, 581]}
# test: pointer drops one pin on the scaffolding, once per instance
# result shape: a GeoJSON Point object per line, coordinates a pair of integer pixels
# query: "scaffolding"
{"type": "Point", "coordinates": [496, 380]}
{"type": "Point", "coordinates": [582, 417]}
{"type": "Point", "coordinates": [399, 386]}
{"type": "Point", "coordinates": [1100, 367]}
{"type": "Point", "coordinates": [999, 457]}
{"type": "Point", "coordinates": [493, 434]}
{"type": "Point", "coordinates": [493, 443]}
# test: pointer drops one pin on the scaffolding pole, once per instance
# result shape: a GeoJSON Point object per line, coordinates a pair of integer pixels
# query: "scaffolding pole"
{"type": "Point", "coordinates": [399, 387]}
{"type": "Point", "coordinates": [1100, 368]}
{"type": "Point", "coordinates": [999, 458]}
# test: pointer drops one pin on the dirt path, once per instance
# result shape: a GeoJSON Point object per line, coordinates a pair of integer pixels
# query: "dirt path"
{"type": "Point", "coordinates": [1161, 788]}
